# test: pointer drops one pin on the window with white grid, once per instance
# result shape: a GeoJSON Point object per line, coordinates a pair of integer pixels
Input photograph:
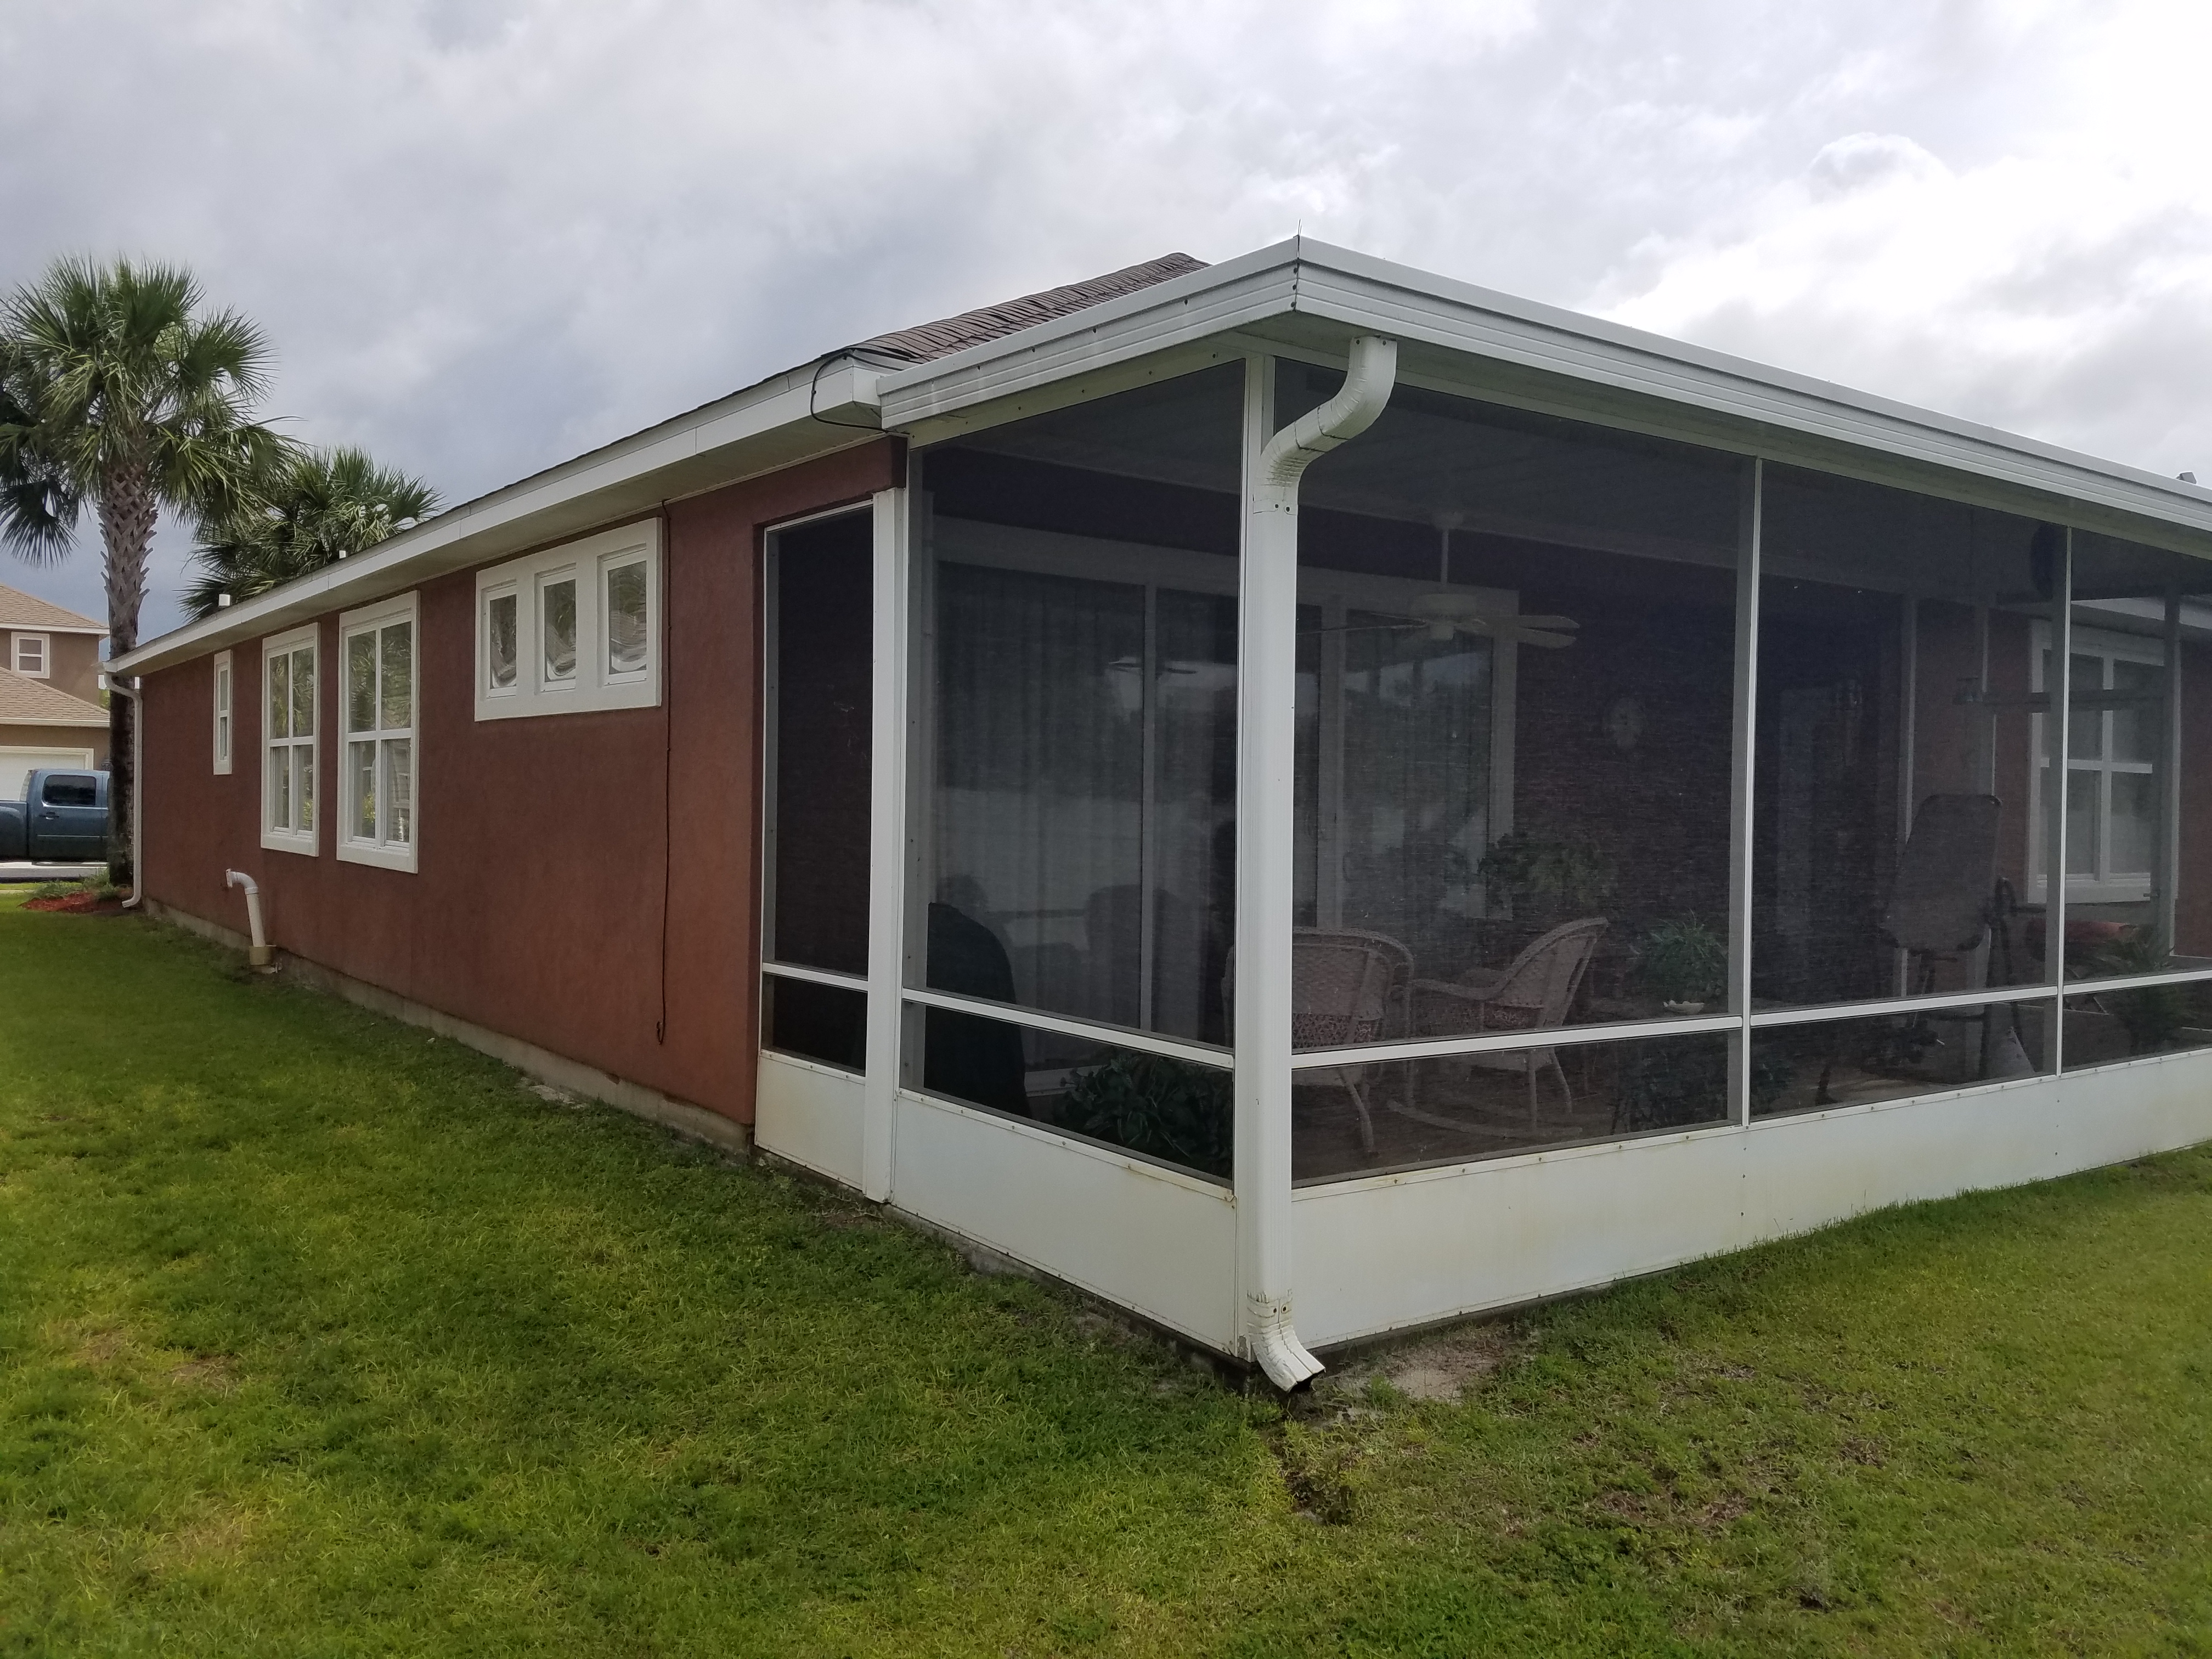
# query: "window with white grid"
{"type": "Point", "coordinates": [222, 714]}
{"type": "Point", "coordinates": [377, 769]}
{"type": "Point", "coordinates": [288, 741]}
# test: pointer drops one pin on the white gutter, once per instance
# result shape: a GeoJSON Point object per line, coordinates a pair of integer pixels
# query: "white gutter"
{"type": "Point", "coordinates": [137, 787]}
{"type": "Point", "coordinates": [1300, 294]}
{"type": "Point", "coordinates": [788, 418]}
{"type": "Point", "coordinates": [1266, 744]}
{"type": "Point", "coordinates": [1306, 295]}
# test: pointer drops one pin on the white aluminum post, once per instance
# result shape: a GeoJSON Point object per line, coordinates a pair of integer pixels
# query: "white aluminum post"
{"type": "Point", "coordinates": [1908, 673]}
{"type": "Point", "coordinates": [1743, 765]}
{"type": "Point", "coordinates": [2169, 792]}
{"type": "Point", "coordinates": [1267, 765]}
{"type": "Point", "coordinates": [887, 861]}
{"type": "Point", "coordinates": [2057, 732]}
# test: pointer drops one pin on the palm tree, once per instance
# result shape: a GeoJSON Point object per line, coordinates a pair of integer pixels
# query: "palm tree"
{"type": "Point", "coordinates": [120, 394]}
{"type": "Point", "coordinates": [317, 505]}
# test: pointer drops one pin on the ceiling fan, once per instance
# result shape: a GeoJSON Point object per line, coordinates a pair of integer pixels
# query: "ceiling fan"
{"type": "Point", "coordinates": [1451, 611]}
{"type": "Point", "coordinates": [1445, 616]}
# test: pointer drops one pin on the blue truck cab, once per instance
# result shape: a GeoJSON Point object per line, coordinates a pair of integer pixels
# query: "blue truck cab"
{"type": "Point", "coordinates": [61, 818]}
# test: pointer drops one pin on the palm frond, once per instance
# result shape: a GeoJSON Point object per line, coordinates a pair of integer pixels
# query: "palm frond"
{"type": "Point", "coordinates": [310, 508]}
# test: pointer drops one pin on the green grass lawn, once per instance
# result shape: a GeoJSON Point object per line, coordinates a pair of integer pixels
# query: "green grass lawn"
{"type": "Point", "coordinates": [320, 1337]}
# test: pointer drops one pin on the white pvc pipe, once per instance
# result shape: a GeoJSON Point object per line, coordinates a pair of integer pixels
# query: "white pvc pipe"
{"type": "Point", "coordinates": [1267, 751]}
{"type": "Point", "coordinates": [258, 955]}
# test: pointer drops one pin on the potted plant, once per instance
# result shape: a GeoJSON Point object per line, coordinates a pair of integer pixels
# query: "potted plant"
{"type": "Point", "coordinates": [1685, 964]}
{"type": "Point", "coordinates": [1538, 875]}
{"type": "Point", "coordinates": [2151, 1015]}
{"type": "Point", "coordinates": [1168, 1109]}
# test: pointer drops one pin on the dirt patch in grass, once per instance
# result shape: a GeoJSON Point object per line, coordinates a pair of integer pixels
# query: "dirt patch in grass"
{"type": "Point", "coordinates": [214, 1373]}
{"type": "Point", "coordinates": [1440, 1368]}
{"type": "Point", "coordinates": [102, 1349]}
{"type": "Point", "coordinates": [215, 1536]}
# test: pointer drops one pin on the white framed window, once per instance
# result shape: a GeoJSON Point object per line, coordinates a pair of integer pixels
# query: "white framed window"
{"type": "Point", "coordinates": [289, 684]}
{"type": "Point", "coordinates": [222, 714]}
{"type": "Point", "coordinates": [572, 629]}
{"type": "Point", "coordinates": [33, 656]}
{"type": "Point", "coordinates": [2112, 783]}
{"type": "Point", "coordinates": [556, 630]}
{"type": "Point", "coordinates": [379, 755]}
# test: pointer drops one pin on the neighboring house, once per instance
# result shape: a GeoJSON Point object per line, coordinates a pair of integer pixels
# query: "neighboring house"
{"type": "Point", "coordinates": [50, 710]}
{"type": "Point", "coordinates": [1303, 797]}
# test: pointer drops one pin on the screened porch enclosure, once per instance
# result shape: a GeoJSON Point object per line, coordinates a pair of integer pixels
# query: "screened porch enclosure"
{"type": "Point", "coordinates": [1640, 794]}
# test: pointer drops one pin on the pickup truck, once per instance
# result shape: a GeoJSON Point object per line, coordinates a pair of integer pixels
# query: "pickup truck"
{"type": "Point", "coordinates": [61, 818]}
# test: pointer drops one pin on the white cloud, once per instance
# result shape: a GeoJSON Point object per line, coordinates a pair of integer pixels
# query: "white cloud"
{"type": "Point", "coordinates": [488, 233]}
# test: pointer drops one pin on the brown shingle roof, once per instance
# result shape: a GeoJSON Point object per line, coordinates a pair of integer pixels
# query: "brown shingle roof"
{"type": "Point", "coordinates": [21, 609]}
{"type": "Point", "coordinates": [951, 334]}
{"type": "Point", "coordinates": [26, 701]}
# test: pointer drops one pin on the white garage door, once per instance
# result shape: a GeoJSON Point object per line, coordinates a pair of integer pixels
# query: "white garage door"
{"type": "Point", "coordinates": [16, 764]}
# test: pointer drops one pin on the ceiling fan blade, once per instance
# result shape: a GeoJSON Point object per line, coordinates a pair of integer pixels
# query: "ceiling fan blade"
{"type": "Point", "coordinates": [1562, 624]}
{"type": "Point", "coordinates": [1536, 637]}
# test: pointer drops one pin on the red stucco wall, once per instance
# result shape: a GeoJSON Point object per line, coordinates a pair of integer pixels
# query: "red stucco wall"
{"type": "Point", "coordinates": [545, 845]}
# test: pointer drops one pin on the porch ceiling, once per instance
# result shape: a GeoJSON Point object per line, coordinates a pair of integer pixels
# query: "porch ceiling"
{"type": "Point", "coordinates": [1308, 299]}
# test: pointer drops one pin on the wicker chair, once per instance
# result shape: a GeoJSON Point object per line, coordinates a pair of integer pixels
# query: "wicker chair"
{"type": "Point", "coordinates": [1346, 987]}
{"type": "Point", "coordinates": [1533, 995]}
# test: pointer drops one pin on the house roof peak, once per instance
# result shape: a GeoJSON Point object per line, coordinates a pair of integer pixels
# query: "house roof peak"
{"type": "Point", "coordinates": [21, 609]}
{"type": "Point", "coordinates": [928, 340]}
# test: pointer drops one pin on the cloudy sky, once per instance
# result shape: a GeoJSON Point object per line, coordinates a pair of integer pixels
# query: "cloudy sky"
{"type": "Point", "coordinates": [487, 234]}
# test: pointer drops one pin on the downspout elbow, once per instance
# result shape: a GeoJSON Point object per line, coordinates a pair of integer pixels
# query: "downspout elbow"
{"type": "Point", "coordinates": [259, 954]}
{"type": "Point", "coordinates": [1275, 1346]}
{"type": "Point", "coordinates": [1368, 383]}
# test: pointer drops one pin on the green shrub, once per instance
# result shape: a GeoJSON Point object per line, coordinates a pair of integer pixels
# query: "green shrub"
{"type": "Point", "coordinates": [1570, 871]}
{"type": "Point", "coordinates": [1150, 1104]}
{"type": "Point", "coordinates": [2150, 1014]}
{"type": "Point", "coordinates": [1684, 961]}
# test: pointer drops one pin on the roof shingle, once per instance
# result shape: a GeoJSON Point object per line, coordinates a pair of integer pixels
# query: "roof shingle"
{"type": "Point", "coordinates": [21, 609]}
{"type": "Point", "coordinates": [947, 335]}
{"type": "Point", "coordinates": [26, 701]}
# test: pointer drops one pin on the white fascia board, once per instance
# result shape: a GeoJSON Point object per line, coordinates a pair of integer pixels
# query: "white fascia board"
{"type": "Point", "coordinates": [1728, 401]}
{"type": "Point", "coordinates": [50, 627]}
{"type": "Point", "coordinates": [788, 418]}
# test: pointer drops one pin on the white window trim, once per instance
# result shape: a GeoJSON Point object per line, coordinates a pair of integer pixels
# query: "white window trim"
{"type": "Point", "coordinates": [2131, 887]}
{"type": "Point", "coordinates": [225, 733]}
{"type": "Point", "coordinates": [45, 671]}
{"type": "Point", "coordinates": [307, 843]}
{"type": "Point", "coordinates": [371, 620]}
{"type": "Point", "coordinates": [595, 685]}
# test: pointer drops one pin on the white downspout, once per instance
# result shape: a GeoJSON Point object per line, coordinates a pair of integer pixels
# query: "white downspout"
{"type": "Point", "coordinates": [1266, 744]}
{"type": "Point", "coordinates": [258, 955]}
{"type": "Point", "coordinates": [116, 688]}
